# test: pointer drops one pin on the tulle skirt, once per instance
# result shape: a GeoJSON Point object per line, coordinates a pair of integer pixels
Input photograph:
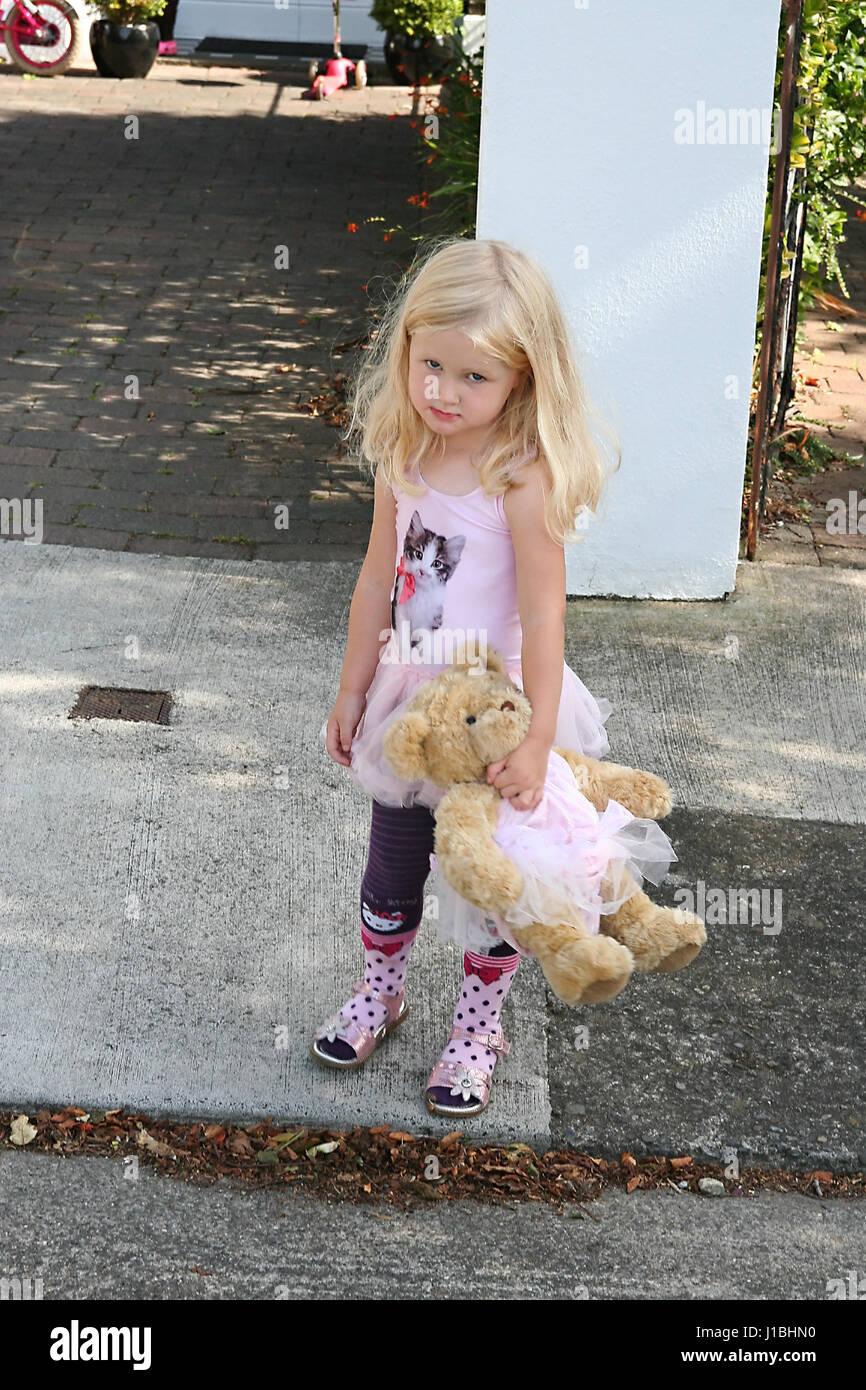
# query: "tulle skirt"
{"type": "Point", "coordinates": [580, 727]}
{"type": "Point", "coordinates": [577, 863]}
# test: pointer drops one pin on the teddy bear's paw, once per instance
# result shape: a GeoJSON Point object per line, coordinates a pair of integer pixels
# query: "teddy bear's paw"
{"type": "Point", "coordinates": [489, 891]}
{"type": "Point", "coordinates": [643, 794]}
{"type": "Point", "coordinates": [590, 970]}
{"type": "Point", "coordinates": [692, 936]}
{"type": "Point", "coordinates": [661, 939]}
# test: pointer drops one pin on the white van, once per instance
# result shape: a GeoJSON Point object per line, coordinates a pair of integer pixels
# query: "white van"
{"type": "Point", "coordinates": [276, 29]}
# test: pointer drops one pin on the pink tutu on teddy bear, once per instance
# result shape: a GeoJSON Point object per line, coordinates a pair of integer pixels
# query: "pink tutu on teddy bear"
{"type": "Point", "coordinates": [577, 863]}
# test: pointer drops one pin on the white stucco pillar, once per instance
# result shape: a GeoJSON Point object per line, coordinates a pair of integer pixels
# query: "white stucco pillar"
{"type": "Point", "coordinates": [625, 144]}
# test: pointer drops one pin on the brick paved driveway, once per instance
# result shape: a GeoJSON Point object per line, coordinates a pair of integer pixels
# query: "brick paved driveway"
{"type": "Point", "coordinates": [148, 265]}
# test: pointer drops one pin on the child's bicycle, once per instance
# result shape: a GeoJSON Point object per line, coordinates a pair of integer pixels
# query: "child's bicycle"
{"type": "Point", "coordinates": [41, 35]}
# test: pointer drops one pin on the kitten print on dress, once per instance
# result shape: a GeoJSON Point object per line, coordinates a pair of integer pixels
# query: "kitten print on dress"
{"type": "Point", "coordinates": [427, 564]}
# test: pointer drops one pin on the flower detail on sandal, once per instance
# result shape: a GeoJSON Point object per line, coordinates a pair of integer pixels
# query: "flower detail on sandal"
{"type": "Point", "coordinates": [360, 1038]}
{"type": "Point", "coordinates": [466, 1086]}
{"type": "Point", "coordinates": [334, 1027]}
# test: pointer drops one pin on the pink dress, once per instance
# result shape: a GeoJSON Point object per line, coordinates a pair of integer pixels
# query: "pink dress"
{"type": "Point", "coordinates": [455, 579]}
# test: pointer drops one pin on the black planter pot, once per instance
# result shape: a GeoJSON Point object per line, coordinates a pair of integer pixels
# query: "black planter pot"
{"type": "Point", "coordinates": [124, 50]}
{"type": "Point", "coordinates": [417, 59]}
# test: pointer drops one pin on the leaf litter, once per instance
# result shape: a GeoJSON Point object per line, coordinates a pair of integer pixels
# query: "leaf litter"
{"type": "Point", "coordinates": [383, 1164]}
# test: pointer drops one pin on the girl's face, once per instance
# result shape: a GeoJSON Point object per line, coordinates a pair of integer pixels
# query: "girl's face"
{"type": "Point", "coordinates": [455, 388]}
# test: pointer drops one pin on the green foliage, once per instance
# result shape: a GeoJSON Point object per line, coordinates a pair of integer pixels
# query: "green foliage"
{"type": "Point", "coordinates": [828, 153]}
{"type": "Point", "coordinates": [828, 140]}
{"type": "Point", "coordinates": [830, 136]}
{"type": "Point", "coordinates": [131, 11]}
{"type": "Point", "coordinates": [417, 17]}
{"type": "Point", "coordinates": [451, 143]}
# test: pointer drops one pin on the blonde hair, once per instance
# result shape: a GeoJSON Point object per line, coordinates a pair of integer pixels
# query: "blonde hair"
{"type": "Point", "coordinates": [503, 301]}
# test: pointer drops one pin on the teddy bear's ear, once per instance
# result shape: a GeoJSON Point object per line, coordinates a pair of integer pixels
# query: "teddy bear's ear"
{"type": "Point", "coordinates": [477, 655]}
{"type": "Point", "coordinates": [495, 661]}
{"type": "Point", "coordinates": [404, 745]}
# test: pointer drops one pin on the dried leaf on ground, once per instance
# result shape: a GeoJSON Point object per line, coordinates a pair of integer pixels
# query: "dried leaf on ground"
{"type": "Point", "coordinates": [22, 1131]}
{"type": "Point", "coordinates": [155, 1146]}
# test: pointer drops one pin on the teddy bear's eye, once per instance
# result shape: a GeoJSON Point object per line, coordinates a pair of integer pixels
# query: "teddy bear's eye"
{"type": "Point", "coordinates": [470, 719]}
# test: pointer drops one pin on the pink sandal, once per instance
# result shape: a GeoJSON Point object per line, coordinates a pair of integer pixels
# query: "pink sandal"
{"type": "Point", "coordinates": [361, 1038]}
{"type": "Point", "coordinates": [462, 1079]}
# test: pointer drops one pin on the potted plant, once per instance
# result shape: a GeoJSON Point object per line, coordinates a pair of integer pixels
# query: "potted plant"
{"type": "Point", "coordinates": [125, 41]}
{"type": "Point", "coordinates": [418, 44]}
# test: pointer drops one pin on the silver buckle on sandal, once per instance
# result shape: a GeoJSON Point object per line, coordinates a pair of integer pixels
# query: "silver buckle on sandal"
{"type": "Point", "coordinates": [495, 1041]}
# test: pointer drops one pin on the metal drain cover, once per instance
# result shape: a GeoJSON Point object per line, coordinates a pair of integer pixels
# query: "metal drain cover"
{"type": "Point", "coordinates": [116, 702]}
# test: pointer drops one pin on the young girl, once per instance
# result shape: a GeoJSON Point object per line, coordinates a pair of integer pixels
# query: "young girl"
{"type": "Point", "coordinates": [472, 407]}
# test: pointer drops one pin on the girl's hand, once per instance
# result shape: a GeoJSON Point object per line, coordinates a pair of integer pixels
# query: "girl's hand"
{"type": "Point", "coordinates": [342, 723]}
{"type": "Point", "coordinates": [521, 776]}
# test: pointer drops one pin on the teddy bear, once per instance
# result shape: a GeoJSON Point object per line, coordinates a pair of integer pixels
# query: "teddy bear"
{"type": "Point", "coordinates": [472, 714]}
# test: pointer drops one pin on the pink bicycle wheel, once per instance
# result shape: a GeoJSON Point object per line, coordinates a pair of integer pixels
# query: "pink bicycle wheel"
{"type": "Point", "coordinates": [56, 50]}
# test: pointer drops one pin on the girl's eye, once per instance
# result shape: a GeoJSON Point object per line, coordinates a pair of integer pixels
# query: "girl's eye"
{"type": "Point", "coordinates": [431, 362]}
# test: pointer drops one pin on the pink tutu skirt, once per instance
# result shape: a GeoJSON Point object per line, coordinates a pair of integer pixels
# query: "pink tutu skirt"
{"type": "Point", "coordinates": [576, 862]}
{"type": "Point", "coordinates": [580, 727]}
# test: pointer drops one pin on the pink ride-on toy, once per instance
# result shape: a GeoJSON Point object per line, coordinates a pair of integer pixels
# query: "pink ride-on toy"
{"type": "Point", "coordinates": [335, 72]}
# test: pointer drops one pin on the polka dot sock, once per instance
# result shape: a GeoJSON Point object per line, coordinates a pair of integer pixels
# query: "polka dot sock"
{"type": "Point", "coordinates": [387, 960]}
{"type": "Point", "coordinates": [486, 982]}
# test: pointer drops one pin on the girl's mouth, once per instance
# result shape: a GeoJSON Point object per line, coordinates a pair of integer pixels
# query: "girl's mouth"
{"type": "Point", "coordinates": [443, 414]}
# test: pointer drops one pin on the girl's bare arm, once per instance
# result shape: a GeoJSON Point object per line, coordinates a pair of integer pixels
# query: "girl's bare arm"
{"type": "Point", "coordinates": [369, 616]}
{"type": "Point", "coordinates": [540, 567]}
{"type": "Point", "coordinates": [370, 610]}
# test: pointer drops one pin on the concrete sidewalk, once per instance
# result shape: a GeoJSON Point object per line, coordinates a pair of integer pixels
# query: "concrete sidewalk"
{"type": "Point", "coordinates": [173, 895]}
{"type": "Point", "coordinates": [161, 1239]}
